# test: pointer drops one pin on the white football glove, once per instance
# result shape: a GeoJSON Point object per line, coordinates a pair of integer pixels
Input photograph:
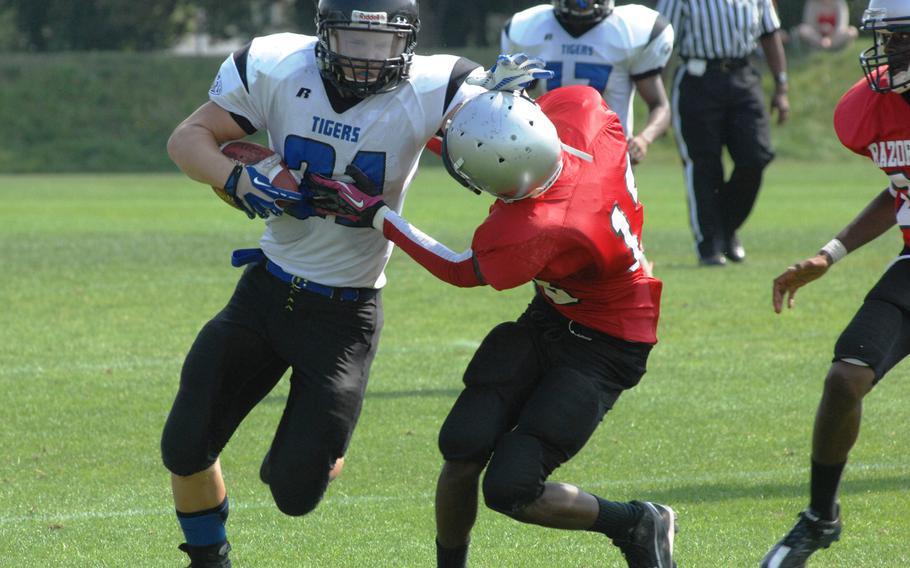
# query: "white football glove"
{"type": "Point", "coordinates": [512, 73]}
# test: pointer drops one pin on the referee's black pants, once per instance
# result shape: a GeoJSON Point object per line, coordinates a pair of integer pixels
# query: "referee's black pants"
{"type": "Point", "coordinates": [723, 107]}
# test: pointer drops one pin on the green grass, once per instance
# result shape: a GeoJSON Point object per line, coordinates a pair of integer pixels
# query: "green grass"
{"type": "Point", "coordinates": [113, 112]}
{"type": "Point", "coordinates": [107, 279]}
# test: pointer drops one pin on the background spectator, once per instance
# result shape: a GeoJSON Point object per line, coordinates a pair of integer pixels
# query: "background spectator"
{"type": "Point", "coordinates": [826, 25]}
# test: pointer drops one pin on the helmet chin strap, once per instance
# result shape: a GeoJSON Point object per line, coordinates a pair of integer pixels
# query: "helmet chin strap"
{"type": "Point", "coordinates": [577, 153]}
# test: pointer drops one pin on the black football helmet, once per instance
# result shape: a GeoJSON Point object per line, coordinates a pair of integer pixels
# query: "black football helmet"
{"type": "Point", "coordinates": [581, 12]}
{"type": "Point", "coordinates": [365, 47]}
{"type": "Point", "coordinates": [887, 63]}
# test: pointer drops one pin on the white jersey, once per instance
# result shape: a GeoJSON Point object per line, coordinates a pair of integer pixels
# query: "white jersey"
{"type": "Point", "coordinates": [276, 86]}
{"type": "Point", "coordinates": [632, 43]}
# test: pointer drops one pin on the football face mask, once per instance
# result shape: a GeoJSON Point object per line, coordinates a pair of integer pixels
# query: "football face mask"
{"type": "Point", "coordinates": [887, 63]}
{"type": "Point", "coordinates": [582, 11]}
{"type": "Point", "coordinates": [362, 55]}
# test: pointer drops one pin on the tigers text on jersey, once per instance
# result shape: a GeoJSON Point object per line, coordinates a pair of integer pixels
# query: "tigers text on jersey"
{"type": "Point", "coordinates": [633, 42]}
{"type": "Point", "coordinates": [275, 85]}
{"type": "Point", "coordinates": [877, 125]}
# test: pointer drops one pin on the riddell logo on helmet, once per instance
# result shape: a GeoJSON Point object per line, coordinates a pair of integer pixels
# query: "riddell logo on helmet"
{"type": "Point", "coordinates": [369, 17]}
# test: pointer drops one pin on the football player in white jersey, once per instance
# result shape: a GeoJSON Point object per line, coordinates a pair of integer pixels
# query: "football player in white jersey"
{"type": "Point", "coordinates": [309, 297]}
{"type": "Point", "coordinates": [614, 50]}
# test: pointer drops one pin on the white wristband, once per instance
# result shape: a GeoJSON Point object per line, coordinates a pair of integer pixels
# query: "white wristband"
{"type": "Point", "coordinates": [835, 250]}
{"type": "Point", "coordinates": [379, 217]}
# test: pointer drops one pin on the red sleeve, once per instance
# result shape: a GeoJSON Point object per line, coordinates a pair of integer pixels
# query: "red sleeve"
{"type": "Point", "coordinates": [850, 122]}
{"type": "Point", "coordinates": [506, 268]}
{"type": "Point", "coordinates": [510, 250]}
{"type": "Point", "coordinates": [435, 145]}
{"type": "Point", "coordinates": [454, 268]}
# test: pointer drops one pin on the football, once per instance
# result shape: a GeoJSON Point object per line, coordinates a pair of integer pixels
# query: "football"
{"type": "Point", "coordinates": [251, 153]}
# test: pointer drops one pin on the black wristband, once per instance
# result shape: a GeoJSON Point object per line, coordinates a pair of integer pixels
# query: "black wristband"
{"type": "Point", "coordinates": [230, 186]}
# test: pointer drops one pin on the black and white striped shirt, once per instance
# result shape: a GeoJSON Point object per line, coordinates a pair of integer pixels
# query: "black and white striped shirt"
{"type": "Point", "coordinates": [717, 29]}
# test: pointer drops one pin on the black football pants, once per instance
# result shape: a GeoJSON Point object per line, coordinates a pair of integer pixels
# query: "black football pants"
{"type": "Point", "coordinates": [535, 391]}
{"type": "Point", "coordinates": [242, 353]}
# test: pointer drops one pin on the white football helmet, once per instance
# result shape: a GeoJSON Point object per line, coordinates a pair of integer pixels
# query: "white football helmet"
{"type": "Point", "coordinates": [889, 22]}
{"type": "Point", "coordinates": [502, 144]}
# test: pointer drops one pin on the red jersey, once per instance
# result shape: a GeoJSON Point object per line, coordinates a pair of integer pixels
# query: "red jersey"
{"type": "Point", "coordinates": [877, 125]}
{"type": "Point", "coordinates": [579, 241]}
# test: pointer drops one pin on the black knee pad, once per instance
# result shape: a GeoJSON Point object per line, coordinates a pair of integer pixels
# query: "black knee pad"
{"type": "Point", "coordinates": [181, 456]}
{"type": "Point", "coordinates": [472, 427]}
{"type": "Point", "coordinates": [515, 475]}
{"type": "Point", "coordinates": [298, 485]}
{"type": "Point", "coordinates": [298, 497]}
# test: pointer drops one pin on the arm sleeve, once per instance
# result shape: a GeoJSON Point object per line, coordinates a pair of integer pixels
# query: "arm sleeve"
{"type": "Point", "coordinates": [457, 90]}
{"type": "Point", "coordinates": [653, 58]}
{"type": "Point", "coordinates": [232, 91]}
{"type": "Point", "coordinates": [458, 269]}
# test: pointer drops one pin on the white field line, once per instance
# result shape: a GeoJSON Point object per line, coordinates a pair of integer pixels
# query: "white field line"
{"type": "Point", "coordinates": [348, 500]}
{"type": "Point", "coordinates": [69, 366]}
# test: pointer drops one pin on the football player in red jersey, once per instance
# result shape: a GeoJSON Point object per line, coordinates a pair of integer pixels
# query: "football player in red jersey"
{"type": "Point", "coordinates": [873, 120]}
{"type": "Point", "coordinates": [567, 217]}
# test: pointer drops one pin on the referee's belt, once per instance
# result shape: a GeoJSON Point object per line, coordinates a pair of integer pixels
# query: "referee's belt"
{"type": "Point", "coordinates": [727, 63]}
{"type": "Point", "coordinates": [242, 257]}
{"type": "Point", "coordinates": [722, 64]}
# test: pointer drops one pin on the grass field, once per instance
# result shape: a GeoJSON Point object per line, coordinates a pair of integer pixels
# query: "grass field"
{"type": "Point", "coordinates": [107, 279]}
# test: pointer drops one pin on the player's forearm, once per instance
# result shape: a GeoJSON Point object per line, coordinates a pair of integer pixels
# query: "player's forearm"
{"type": "Point", "coordinates": [450, 267]}
{"type": "Point", "coordinates": [871, 223]}
{"type": "Point", "coordinates": [777, 60]}
{"type": "Point", "coordinates": [657, 124]}
{"type": "Point", "coordinates": [651, 90]}
{"type": "Point", "coordinates": [194, 150]}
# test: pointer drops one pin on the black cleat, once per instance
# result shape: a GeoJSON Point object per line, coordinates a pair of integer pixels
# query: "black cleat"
{"type": "Point", "coordinates": [716, 259]}
{"type": "Point", "coordinates": [650, 542]}
{"type": "Point", "coordinates": [214, 556]}
{"type": "Point", "coordinates": [809, 534]}
{"type": "Point", "coordinates": [733, 249]}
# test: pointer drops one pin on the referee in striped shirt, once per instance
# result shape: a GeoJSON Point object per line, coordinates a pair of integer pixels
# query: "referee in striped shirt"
{"type": "Point", "coordinates": [718, 101]}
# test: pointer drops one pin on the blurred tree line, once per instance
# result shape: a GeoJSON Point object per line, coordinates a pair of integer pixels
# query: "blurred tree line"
{"type": "Point", "coordinates": [132, 25]}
